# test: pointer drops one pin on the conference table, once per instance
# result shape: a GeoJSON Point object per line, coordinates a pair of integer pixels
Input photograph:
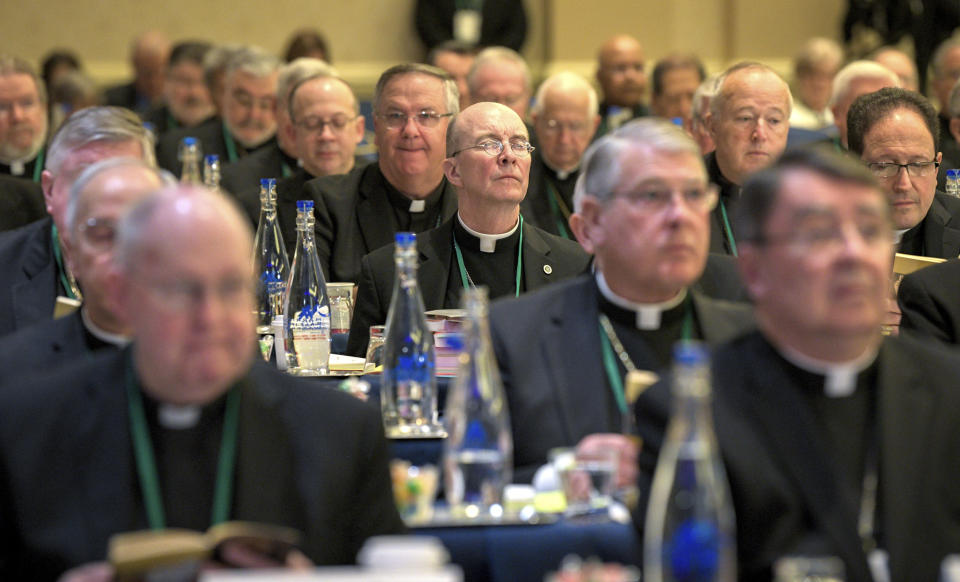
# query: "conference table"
{"type": "Point", "coordinates": [517, 551]}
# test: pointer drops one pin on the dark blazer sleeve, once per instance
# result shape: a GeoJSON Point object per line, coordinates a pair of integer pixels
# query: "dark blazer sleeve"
{"type": "Point", "coordinates": [370, 309]}
{"type": "Point", "coordinates": [926, 302]}
{"type": "Point", "coordinates": [332, 208]}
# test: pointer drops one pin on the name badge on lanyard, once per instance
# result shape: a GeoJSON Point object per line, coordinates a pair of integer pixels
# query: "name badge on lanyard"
{"type": "Point", "coordinates": [466, 26]}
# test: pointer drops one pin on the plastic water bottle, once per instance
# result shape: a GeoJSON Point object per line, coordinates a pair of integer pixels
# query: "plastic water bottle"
{"type": "Point", "coordinates": [306, 310]}
{"type": "Point", "coordinates": [270, 258]}
{"type": "Point", "coordinates": [211, 172]}
{"type": "Point", "coordinates": [478, 451]}
{"type": "Point", "coordinates": [690, 530]}
{"type": "Point", "coordinates": [952, 185]}
{"type": "Point", "coordinates": [408, 387]}
{"type": "Point", "coordinates": [190, 155]}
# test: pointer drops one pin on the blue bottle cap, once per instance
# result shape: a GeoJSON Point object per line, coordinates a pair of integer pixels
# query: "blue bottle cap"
{"type": "Point", "coordinates": [690, 353]}
{"type": "Point", "coordinates": [951, 174]}
{"type": "Point", "coordinates": [211, 158]}
{"type": "Point", "coordinates": [189, 141]}
{"type": "Point", "coordinates": [265, 183]}
{"type": "Point", "coordinates": [678, 121]}
{"type": "Point", "coordinates": [304, 205]}
{"type": "Point", "coordinates": [405, 238]}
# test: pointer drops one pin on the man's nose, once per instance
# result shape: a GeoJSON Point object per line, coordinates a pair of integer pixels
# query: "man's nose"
{"type": "Point", "coordinates": [902, 181]}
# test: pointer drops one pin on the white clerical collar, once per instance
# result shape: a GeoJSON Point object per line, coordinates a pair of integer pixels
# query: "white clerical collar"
{"type": "Point", "coordinates": [898, 235]}
{"type": "Point", "coordinates": [841, 379]}
{"type": "Point", "coordinates": [417, 206]}
{"type": "Point", "coordinates": [488, 242]}
{"type": "Point", "coordinates": [648, 314]}
{"type": "Point", "coordinates": [178, 417]}
{"type": "Point", "coordinates": [562, 174]}
{"type": "Point", "coordinates": [19, 166]}
{"type": "Point", "coordinates": [103, 335]}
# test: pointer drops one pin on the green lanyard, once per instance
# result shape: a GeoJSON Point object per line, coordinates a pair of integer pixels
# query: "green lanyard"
{"type": "Point", "coordinates": [58, 256]}
{"type": "Point", "coordinates": [285, 170]}
{"type": "Point", "coordinates": [560, 215]}
{"type": "Point", "coordinates": [147, 465]}
{"type": "Point", "coordinates": [171, 121]}
{"type": "Point", "coordinates": [38, 166]}
{"type": "Point", "coordinates": [727, 231]}
{"type": "Point", "coordinates": [610, 360]}
{"type": "Point", "coordinates": [465, 278]}
{"type": "Point", "coordinates": [231, 145]}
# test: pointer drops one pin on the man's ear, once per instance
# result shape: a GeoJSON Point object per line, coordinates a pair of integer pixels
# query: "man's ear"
{"type": "Point", "coordinates": [452, 172]}
{"type": "Point", "coordinates": [360, 127]}
{"type": "Point", "coordinates": [46, 184]}
{"type": "Point", "coordinates": [586, 224]}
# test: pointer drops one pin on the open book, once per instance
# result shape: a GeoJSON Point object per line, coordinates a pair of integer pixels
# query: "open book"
{"type": "Point", "coordinates": [136, 554]}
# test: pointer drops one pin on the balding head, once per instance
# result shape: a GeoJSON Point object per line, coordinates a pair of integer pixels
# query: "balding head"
{"type": "Point", "coordinates": [620, 71]}
{"type": "Point", "coordinates": [901, 64]}
{"type": "Point", "coordinates": [565, 119]}
{"type": "Point", "coordinates": [501, 75]}
{"type": "Point", "coordinates": [185, 287]}
{"type": "Point", "coordinates": [148, 54]}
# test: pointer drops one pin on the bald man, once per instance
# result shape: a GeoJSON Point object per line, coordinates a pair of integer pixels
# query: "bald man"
{"type": "Point", "coordinates": [856, 79]}
{"type": "Point", "coordinates": [99, 197]}
{"type": "Point", "coordinates": [186, 406]}
{"type": "Point", "coordinates": [620, 72]}
{"type": "Point", "coordinates": [565, 119]}
{"type": "Point", "coordinates": [148, 56]}
{"type": "Point", "coordinates": [487, 242]}
{"type": "Point", "coordinates": [748, 121]}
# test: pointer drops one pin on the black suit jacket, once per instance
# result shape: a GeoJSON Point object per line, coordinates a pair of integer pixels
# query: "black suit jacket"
{"type": "Point", "coordinates": [29, 274]}
{"type": "Point", "coordinates": [126, 95]}
{"type": "Point", "coordinates": [785, 488]}
{"type": "Point", "coordinates": [209, 134]}
{"type": "Point", "coordinates": [353, 218]}
{"type": "Point", "coordinates": [729, 195]}
{"type": "Point", "coordinates": [46, 345]}
{"type": "Point", "coordinates": [377, 273]}
{"type": "Point", "coordinates": [536, 204]}
{"type": "Point", "coordinates": [548, 347]}
{"type": "Point", "coordinates": [308, 457]}
{"type": "Point", "coordinates": [289, 191]}
{"type": "Point", "coordinates": [21, 202]}
{"type": "Point", "coordinates": [930, 302]}
{"type": "Point", "coordinates": [941, 227]}
{"type": "Point", "coordinates": [242, 178]}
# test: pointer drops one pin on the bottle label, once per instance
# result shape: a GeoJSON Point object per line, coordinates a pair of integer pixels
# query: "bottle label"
{"type": "Point", "coordinates": [310, 329]}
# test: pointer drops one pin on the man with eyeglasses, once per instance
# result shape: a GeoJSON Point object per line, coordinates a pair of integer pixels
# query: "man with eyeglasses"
{"type": "Point", "coordinates": [325, 127]}
{"type": "Point", "coordinates": [488, 242]}
{"type": "Point", "coordinates": [187, 101]}
{"type": "Point", "coordinates": [620, 72]}
{"type": "Point", "coordinates": [748, 121]}
{"type": "Point", "coordinates": [359, 212]}
{"type": "Point", "coordinates": [643, 209]}
{"type": "Point", "coordinates": [34, 262]}
{"type": "Point", "coordinates": [895, 133]}
{"type": "Point", "coordinates": [186, 427]}
{"type": "Point", "coordinates": [836, 440]}
{"type": "Point", "coordinates": [281, 157]}
{"type": "Point", "coordinates": [501, 75]}
{"type": "Point", "coordinates": [248, 117]}
{"type": "Point", "coordinates": [98, 198]}
{"type": "Point", "coordinates": [23, 119]}
{"type": "Point", "coordinates": [564, 119]}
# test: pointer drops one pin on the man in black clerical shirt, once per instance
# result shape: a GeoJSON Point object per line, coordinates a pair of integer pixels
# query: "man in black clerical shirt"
{"type": "Point", "coordinates": [248, 117]}
{"type": "Point", "coordinates": [748, 121]}
{"type": "Point", "coordinates": [895, 132]}
{"type": "Point", "coordinates": [34, 264]}
{"type": "Point", "coordinates": [837, 441]}
{"type": "Point", "coordinates": [185, 428]}
{"type": "Point", "coordinates": [405, 190]}
{"type": "Point", "coordinates": [487, 243]}
{"type": "Point", "coordinates": [148, 56]}
{"type": "Point", "coordinates": [23, 119]}
{"type": "Point", "coordinates": [279, 159]}
{"type": "Point", "coordinates": [623, 82]}
{"type": "Point", "coordinates": [564, 119]}
{"type": "Point", "coordinates": [98, 198]}
{"type": "Point", "coordinates": [187, 101]}
{"type": "Point", "coordinates": [643, 207]}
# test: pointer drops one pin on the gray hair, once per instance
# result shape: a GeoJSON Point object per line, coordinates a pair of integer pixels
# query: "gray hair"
{"type": "Point", "coordinates": [497, 55]}
{"type": "Point", "coordinates": [294, 73]}
{"type": "Point", "coordinates": [98, 125]}
{"type": "Point", "coordinates": [253, 61]}
{"type": "Point", "coordinates": [602, 167]}
{"type": "Point", "coordinates": [854, 72]}
{"type": "Point", "coordinates": [451, 95]}
{"type": "Point", "coordinates": [566, 82]}
{"type": "Point", "coordinates": [721, 97]}
{"type": "Point", "coordinates": [92, 171]}
{"type": "Point", "coordinates": [816, 52]}
{"type": "Point", "coordinates": [216, 61]}
{"type": "Point", "coordinates": [706, 90]}
{"type": "Point", "coordinates": [13, 65]}
{"type": "Point", "coordinates": [954, 101]}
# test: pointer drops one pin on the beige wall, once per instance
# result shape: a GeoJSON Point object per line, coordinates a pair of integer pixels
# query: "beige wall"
{"type": "Point", "coordinates": [368, 35]}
